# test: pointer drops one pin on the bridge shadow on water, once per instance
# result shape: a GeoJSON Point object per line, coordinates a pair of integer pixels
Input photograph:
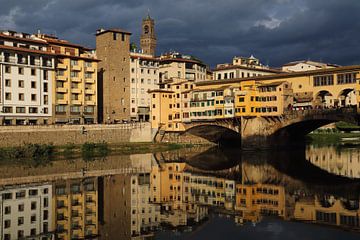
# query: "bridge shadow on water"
{"type": "Point", "coordinates": [290, 164]}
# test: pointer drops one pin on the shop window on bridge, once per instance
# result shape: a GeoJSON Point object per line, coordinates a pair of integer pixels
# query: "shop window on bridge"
{"type": "Point", "coordinates": [324, 80]}
{"type": "Point", "coordinates": [241, 99]}
{"type": "Point", "coordinates": [346, 78]}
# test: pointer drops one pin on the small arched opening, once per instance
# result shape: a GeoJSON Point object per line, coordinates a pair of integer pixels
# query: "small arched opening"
{"type": "Point", "coordinates": [347, 98]}
{"type": "Point", "coordinates": [324, 99]}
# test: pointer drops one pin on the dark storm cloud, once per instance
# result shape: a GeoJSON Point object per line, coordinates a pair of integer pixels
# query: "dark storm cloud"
{"type": "Point", "coordinates": [276, 31]}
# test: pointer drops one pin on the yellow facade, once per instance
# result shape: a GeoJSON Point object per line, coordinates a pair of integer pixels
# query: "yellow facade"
{"type": "Point", "coordinates": [75, 205]}
{"type": "Point", "coordinates": [265, 96]}
{"type": "Point", "coordinates": [75, 86]}
{"type": "Point", "coordinates": [260, 199]}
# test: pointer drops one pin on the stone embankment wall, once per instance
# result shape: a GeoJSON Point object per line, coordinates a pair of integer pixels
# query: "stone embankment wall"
{"type": "Point", "coordinates": [77, 134]}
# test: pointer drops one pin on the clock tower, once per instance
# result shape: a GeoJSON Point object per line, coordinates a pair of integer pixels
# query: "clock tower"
{"type": "Point", "coordinates": [148, 38]}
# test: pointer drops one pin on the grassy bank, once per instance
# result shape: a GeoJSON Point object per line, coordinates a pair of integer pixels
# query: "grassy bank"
{"type": "Point", "coordinates": [330, 137]}
{"type": "Point", "coordinates": [40, 154]}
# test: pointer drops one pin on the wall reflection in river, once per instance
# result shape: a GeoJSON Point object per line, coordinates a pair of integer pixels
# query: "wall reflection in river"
{"type": "Point", "coordinates": [144, 196]}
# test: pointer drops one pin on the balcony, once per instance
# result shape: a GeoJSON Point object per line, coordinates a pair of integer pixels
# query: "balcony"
{"type": "Point", "coordinates": [61, 90]}
{"type": "Point", "coordinates": [90, 103]}
{"type": "Point", "coordinates": [62, 101]}
{"type": "Point", "coordinates": [61, 66]}
{"type": "Point", "coordinates": [75, 68]}
{"type": "Point", "coordinates": [76, 90]}
{"type": "Point", "coordinates": [75, 79]}
{"type": "Point", "coordinates": [76, 102]}
{"type": "Point", "coordinates": [89, 69]}
{"type": "Point", "coordinates": [61, 78]}
{"type": "Point", "coordinates": [89, 80]}
{"type": "Point", "coordinates": [89, 91]}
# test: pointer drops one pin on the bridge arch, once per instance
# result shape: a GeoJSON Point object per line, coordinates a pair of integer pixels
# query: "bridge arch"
{"type": "Point", "coordinates": [222, 135]}
{"type": "Point", "coordinates": [347, 97]}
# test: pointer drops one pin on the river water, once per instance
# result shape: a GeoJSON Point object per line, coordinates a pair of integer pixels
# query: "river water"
{"type": "Point", "coordinates": [309, 192]}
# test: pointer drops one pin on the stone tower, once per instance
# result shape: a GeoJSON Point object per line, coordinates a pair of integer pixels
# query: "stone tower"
{"type": "Point", "coordinates": [148, 38]}
{"type": "Point", "coordinates": [113, 51]}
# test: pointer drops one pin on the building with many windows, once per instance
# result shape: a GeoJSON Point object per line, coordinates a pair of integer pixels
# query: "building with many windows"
{"type": "Point", "coordinates": [242, 67]}
{"type": "Point", "coordinates": [144, 76]}
{"type": "Point", "coordinates": [75, 85]}
{"type": "Point", "coordinates": [75, 207]}
{"type": "Point", "coordinates": [26, 76]}
{"type": "Point", "coordinates": [26, 212]}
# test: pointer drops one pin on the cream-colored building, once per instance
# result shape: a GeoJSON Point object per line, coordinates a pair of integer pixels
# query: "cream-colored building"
{"type": "Point", "coordinates": [26, 212]}
{"type": "Point", "coordinates": [176, 65]}
{"type": "Point", "coordinates": [344, 163]}
{"type": "Point", "coordinates": [242, 67]}
{"type": "Point", "coordinates": [306, 65]}
{"type": "Point", "coordinates": [27, 69]}
{"type": "Point", "coordinates": [144, 76]}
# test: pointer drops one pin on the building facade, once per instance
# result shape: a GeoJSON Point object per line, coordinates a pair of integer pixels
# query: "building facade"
{"type": "Point", "coordinates": [144, 75]}
{"type": "Point", "coordinates": [27, 68]}
{"type": "Point", "coordinates": [242, 67]}
{"type": "Point", "coordinates": [75, 207]}
{"type": "Point", "coordinates": [26, 212]}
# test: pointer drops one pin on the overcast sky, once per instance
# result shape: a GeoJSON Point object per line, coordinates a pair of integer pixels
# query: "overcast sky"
{"type": "Point", "coordinates": [276, 31]}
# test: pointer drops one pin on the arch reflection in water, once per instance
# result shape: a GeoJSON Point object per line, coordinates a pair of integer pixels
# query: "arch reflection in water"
{"type": "Point", "coordinates": [148, 193]}
{"type": "Point", "coordinates": [341, 160]}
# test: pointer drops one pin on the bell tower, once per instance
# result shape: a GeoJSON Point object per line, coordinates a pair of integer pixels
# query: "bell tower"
{"type": "Point", "coordinates": [148, 38]}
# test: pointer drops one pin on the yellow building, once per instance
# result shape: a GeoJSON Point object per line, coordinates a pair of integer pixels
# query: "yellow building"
{"type": "Point", "coordinates": [75, 204]}
{"type": "Point", "coordinates": [75, 86]}
{"type": "Point", "coordinates": [328, 210]}
{"type": "Point", "coordinates": [254, 201]}
{"type": "Point", "coordinates": [258, 96]}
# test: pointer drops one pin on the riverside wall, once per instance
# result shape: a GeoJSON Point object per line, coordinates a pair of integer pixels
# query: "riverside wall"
{"type": "Point", "coordinates": [11, 136]}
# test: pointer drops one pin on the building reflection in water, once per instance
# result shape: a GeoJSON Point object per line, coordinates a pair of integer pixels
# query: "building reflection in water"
{"type": "Point", "coordinates": [137, 201]}
{"type": "Point", "coordinates": [339, 160]}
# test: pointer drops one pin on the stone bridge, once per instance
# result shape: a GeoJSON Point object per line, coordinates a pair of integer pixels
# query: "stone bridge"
{"type": "Point", "coordinates": [254, 132]}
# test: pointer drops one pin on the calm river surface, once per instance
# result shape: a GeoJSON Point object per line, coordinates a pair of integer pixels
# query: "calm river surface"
{"type": "Point", "coordinates": [311, 192]}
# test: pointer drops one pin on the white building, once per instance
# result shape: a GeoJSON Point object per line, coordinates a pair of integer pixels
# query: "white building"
{"type": "Point", "coordinates": [305, 65]}
{"type": "Point", "coordinates": [144, 76]}
{"type": "Point", "coordinates": [26, 211]}
{"type": "Point", "coordinates": [26, 77]}
{"type": "Point", "coordinates": [145, 216]}
{"type": "Point", "coordinates": [242, 67]}
{"type": "Point", "coordinates": [176, 65]}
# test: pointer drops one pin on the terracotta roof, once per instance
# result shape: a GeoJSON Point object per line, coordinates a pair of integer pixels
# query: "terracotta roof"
{"type": "Point", "coordinates": [23, 39]}
{"type": "Point", "coordinates": [64, 43]}
{"type": "Point", "coordinates": [115, 30]}
{"type": "Point", "coordinates": [144, 57]}
{"type": "Point", "coordinates": [78, 57]}
{"type": "Point", "coordinates": [19, 49]}
{"type": "Point", "coordinates": [271, 84]}
{"type": "Point", "coordinates": [283, 75]}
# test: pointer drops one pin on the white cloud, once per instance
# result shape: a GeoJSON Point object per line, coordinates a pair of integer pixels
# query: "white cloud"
{"type": "Point", "coordinates": [271, 23]}
{"type": "Point", "coordinates": [9, 21]}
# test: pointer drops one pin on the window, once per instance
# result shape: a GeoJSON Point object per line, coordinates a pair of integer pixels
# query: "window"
{"type": "Point", "coordinates": [324, 80]}
{"type": "Point", "coordinates": [114, 36]}
{"type": "Point", "coordinates": [46, 75]}
{"type": "Point", "coordinates": [7, 69]}
{"type": "Point", "coordinates": [20, 194]}
{"type": "Point", "coordinates": [33, 84]}
{"type": "Point", "coordinates": [7, 109]}
{"type": "Point", "coordinates": [33, 72]}
{"type": "Point", "coordinates": [346, 78]}
{"type": "Point", "coordinates": [33, 110]}
{"type": "Point", "coordinates": [74, 74]}
{"type": "Point", "coordinates": [73, 62]}
{"type": "Point", "coordinates": [7, 223]}
{"type": "Point", "coordinates": [21, 83]}
{"type": "Point", "coordinates": [60, 108]}
{"type": "Point", "coordinates": [7, 96]}
{"type": "Point", "coordinates": [21, 71]}
{"type": "Point", "coordinates": [20, 221]}
{"type": "Point", "coordinates": [33, 205]}
{"type": "Point", "coordinates": [7, 210]}
{"type": "Point", "coordinates": [33, 218]}
{"type": "Point", "coordinates": [20, 109]}
{"type": "Point", "coordinates": [33, 97]}
{"type": "Point", "coordinates": [7, 83]}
